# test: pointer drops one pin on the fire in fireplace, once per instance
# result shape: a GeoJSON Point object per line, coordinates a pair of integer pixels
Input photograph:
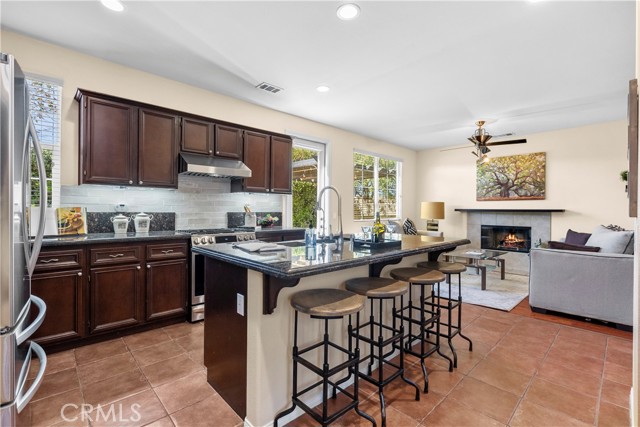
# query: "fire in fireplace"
{"type": "Point", "coordinates": [505, 238]}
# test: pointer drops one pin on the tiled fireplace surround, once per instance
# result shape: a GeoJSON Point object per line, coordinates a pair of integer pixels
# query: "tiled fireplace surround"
{"type": "Point", "coordinates": [540, 223]}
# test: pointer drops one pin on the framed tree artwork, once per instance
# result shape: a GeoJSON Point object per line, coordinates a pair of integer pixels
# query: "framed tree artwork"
{"type": "Point", "coordinates": [519, 177]}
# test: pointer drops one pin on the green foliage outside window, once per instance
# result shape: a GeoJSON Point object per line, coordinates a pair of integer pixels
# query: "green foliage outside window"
{"type": "Point", "coordinates": [305, 186]}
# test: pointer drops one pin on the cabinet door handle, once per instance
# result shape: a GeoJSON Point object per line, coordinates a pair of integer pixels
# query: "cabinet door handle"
{"type": "Point", "coordinates": [148, 266]}
{"type": "Point", "coordinates": [140, 182]}
{"type": "Point", "coordinates": [130, 182]}
{"type": "Point", "coordinates": [47, 261]}
{"type": "Point", "coordinates": [210, 151]}
{"type": "Point", "coordinates": [116, 255]}
{"type": "Point", "coordinates": [137, 267]}
{"type": "Point", "coordinates": [168, 251]}
{"type": "Point", "coordinates": [80, 273]}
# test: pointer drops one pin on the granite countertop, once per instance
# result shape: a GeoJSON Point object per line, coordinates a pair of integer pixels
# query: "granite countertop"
{"type": "Point", "coordinates": [292, 262]}
{"type": "Point", "coordinates": [92, 238]}
{"type": "Point", "coordinates": [277, 228]}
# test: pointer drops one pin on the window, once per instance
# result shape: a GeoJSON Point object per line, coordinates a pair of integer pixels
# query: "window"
{"type": "Point", "coordinates": [45, 105]}
{"type": "Point", "coordinates": [376, 187]}
{"type": "Point", "coordinates": [308, 179]}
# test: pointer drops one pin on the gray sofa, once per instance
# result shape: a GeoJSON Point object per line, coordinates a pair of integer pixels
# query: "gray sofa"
{"type": "Point", "coordinates": [588, 284]}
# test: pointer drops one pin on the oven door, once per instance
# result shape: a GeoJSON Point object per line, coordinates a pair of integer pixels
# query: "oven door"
{"type": "Point", "coordinates": [197, 279]}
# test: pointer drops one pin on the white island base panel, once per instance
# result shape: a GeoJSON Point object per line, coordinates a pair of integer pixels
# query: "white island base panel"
{"type": "Point", "coordinates": [270, 340]}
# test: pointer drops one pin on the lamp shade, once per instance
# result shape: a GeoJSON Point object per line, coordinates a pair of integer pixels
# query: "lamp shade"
{"type": "Point", "coordinates": [432, 210]}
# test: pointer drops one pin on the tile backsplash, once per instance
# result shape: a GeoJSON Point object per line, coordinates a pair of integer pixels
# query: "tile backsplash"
{"type": "Point", "coordinates": [198, 202]}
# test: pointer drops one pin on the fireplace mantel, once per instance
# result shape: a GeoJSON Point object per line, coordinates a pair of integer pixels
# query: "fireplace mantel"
{"type": "Point", "coordinates": [508, 210]}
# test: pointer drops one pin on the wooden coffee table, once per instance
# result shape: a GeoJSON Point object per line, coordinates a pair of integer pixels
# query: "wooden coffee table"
{"type": "Point", "coordinates": [473, 257]}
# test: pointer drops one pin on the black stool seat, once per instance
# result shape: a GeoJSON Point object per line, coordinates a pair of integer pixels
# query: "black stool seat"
{"type": "Point", "coordinates": [418, 276]}
{"type": "Point", "coordinates": [376, 287]}
{"type": "Point", "coordinates": [327, 302]}
{"type": "Point", "coordinates": [443, 267]}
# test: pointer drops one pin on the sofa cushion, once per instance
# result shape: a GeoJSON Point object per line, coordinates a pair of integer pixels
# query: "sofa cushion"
{"type": "Point", "coordinates": [610, 241]}
{"type": "Point", "coordinates": [409, 227]}
{"type": "Point", "coordinates": [570, 247]}
{"type": "Point", "coordinates": [575, 238]}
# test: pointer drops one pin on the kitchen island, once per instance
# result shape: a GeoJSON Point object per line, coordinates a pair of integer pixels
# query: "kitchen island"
{"type": "Point", "coordinates": [249, 322]}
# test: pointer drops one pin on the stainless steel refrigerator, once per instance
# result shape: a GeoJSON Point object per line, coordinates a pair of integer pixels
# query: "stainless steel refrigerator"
{"type": "Point", "coordinates": [20, 312]}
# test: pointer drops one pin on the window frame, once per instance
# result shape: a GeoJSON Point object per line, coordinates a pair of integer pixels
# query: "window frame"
{"type": "Point", "coordinates": [56, 144]}
{"type": "Point", "coordinates": [376, 188]}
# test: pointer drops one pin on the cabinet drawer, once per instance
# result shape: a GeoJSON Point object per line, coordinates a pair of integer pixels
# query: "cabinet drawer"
{"type": "Point", "coordinates": [52, 260]}
{"type": "Point", "coordinates": [167, 251]}
{"type": "Point", "coordinates": [115, 255]}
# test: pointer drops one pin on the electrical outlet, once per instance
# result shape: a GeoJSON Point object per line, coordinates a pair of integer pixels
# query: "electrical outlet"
{"type": "Point", "coordinates": [121, 207]}
{"type": "Point", "coordinates": [240, 304]}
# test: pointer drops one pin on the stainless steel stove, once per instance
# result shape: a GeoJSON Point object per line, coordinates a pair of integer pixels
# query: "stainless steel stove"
{"type": "Point", "coordinates": [207, 237]}
{"type": "Point", "coordinates": [222, 235]}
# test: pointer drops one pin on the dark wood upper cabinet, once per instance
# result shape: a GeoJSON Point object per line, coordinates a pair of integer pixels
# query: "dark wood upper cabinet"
{"type": "Point", "coordinates": [197, 136]}
{"type": "Point", "coordinates": [269, 158]}
{"type": "Point", "coordinates": [157, 148]}
{"type": "Point", "coordinates": [257, 148]}
{"type": "Point", "coordinates": [281, 165]}
{"type": "Point", "coordinates": [126, 143]}
{"type": "Point", "coordinates": [108, 142]}
{"type": "Point", "coordinates": [228, 142]}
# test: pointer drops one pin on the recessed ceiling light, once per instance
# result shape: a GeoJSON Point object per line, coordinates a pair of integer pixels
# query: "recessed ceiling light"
{"type": "Point", "coordinates": [348, 11]}
{"type": "Point", "coordinates": [322, 88]}
{"type": "Point", "coordinates": [114, 5]}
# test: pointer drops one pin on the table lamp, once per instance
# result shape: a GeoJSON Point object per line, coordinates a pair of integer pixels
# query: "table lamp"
{"type": "Point", "coordinates": [432, 212]}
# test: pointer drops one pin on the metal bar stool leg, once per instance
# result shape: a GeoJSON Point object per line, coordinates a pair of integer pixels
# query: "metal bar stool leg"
{"type": "Point", "coordinates": [294, 392]}
{"type": "Point", "coordinates": [436, 304]}
{"type": "Point", "coordinates": [460, 313]}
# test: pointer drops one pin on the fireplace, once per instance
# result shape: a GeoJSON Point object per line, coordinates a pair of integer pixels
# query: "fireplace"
{"type": "Point", "coordinates": [505, 238]}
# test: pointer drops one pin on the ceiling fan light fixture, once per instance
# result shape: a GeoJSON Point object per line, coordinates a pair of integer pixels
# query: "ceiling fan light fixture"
{"type": "Point", "coordinates": [323, 88]}
{"type": "Point", "coordinates": [114, 5]}
{"type": "Point", "coordinates": [348, 11]}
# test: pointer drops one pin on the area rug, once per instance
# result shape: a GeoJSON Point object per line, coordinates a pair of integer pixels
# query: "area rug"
{"type": "Point", "coordinates": [500, 294]}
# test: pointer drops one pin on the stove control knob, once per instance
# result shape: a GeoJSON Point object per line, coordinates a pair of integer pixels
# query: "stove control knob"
{"type": "Point", "coordinates": [196, 240]}
{"type": "Point", "coordinates": [241, 237]}
{"type": "Point", "coordinates": [252, 236]}
{"type": "Point", "coordinates": [211, 239]}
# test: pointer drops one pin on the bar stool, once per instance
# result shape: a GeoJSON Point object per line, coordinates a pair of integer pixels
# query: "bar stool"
{"type": "Point", "coordinates": [380, 289]}
{"type": "Point", "coordinates": [325, 304]}
{"type": "Point", "coordinates": [448, 269]}
{"type": "Point", "coordinates": [428, 312]}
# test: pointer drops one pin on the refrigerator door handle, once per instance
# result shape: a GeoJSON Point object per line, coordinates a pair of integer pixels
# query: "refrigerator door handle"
{"type": "Point", "coordinates": [23, 398]}
{"type": "Point", "coordinates": [32, 253]}
{"type": "Point", "coordinates": [29, 330]}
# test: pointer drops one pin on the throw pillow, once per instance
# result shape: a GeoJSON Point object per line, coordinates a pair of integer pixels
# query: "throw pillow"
{"type": "Point", "coordinates": [409, 227]}
{"type": "Point", "coordinates": [609, 241]}
{"type": "Point", "coordinates": [575, 238]}
{"type": "Point", "coordinates": [629, 249]}
{"type": "Point", "coordinates": [570, 247]}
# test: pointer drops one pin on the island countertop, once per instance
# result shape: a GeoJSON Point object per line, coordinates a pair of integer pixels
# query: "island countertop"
{"type": "Point", "coordinates": [294, 263]}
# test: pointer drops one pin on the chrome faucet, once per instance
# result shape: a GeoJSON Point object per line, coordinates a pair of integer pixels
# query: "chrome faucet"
{"type": "Point", "coordinates": [340, 238]}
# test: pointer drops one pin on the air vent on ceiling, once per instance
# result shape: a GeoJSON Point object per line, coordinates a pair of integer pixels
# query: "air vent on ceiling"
{"type": "Point", "coordinates": [269, 87]}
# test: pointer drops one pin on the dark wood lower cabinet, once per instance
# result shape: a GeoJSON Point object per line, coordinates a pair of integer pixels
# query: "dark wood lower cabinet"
{"type": "Point", "coordinates": [116, 297]}
{"type": "Point", "coordinates": [166, 290]}
{"type": "Point", "coordinates": [63, 292]}
{"type": "Point", "coordinates": [96, 292]}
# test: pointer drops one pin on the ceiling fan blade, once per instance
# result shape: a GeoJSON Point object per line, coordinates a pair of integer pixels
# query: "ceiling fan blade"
{"type": "Point", "coordinates": [511, 141]}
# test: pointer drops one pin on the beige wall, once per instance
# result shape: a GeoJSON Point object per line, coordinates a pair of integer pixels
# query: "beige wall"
{"type": "Point", "coordinates": [77, 70]}
{"type": "Point", "coordinates": [583, 177]}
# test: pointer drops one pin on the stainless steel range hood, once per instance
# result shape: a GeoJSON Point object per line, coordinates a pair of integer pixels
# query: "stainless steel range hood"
{"type": "Point", "coordinates": [200, 165]}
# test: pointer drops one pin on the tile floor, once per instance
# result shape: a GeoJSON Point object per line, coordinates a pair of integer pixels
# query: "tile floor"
{"type": "Point", "coordinates": [522, 371]}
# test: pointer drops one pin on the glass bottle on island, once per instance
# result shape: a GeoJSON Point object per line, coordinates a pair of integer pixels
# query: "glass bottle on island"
{"type": "Point", "coordinates": [377, 233]}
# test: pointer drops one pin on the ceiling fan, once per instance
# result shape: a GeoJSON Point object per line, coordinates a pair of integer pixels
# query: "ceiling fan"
{"type": "Point", "coordinates": [480, 140]}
